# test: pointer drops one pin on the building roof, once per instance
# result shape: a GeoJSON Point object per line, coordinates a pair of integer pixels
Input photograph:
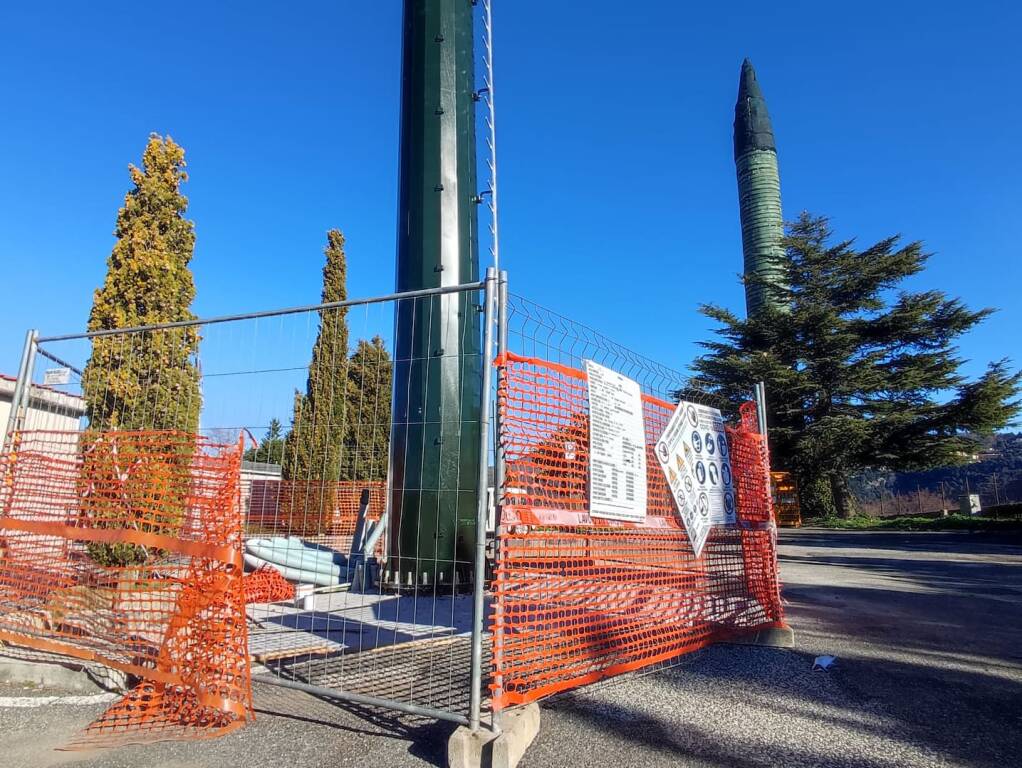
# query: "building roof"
{"type": "Point", "coordinates": [43, 396]}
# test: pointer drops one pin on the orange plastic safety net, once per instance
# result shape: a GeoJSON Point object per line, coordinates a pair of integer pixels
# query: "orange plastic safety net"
{"type": "Point", "coordinates": [578, 598]}
{"type": "Point", "coordinates": [266, 585]}
{"type": "Point", "coordinates": [321, 508]}
{"type": "Point", "coordinates": [124, 549]}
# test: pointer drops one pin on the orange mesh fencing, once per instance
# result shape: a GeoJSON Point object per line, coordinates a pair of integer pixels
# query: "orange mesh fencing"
{"type": "Point", "coordinates": [311, 508]}
{"type": "Point", "coordinates": [266, 585]}
{"type": "Point", "coordinates": [124, 549]}
{"type": "Point", "coordinates": [576, 598]}
{"type": "Point", "coordinates": [347, 497]}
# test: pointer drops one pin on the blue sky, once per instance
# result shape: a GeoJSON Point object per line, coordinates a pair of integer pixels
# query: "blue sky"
{"type": "Point", "coordinates": [618, 189]}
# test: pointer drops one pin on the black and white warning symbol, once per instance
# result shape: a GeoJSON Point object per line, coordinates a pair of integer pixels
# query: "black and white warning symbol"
{"type": "Point", "coordinates": [663, 452]}
{"type": "Point", "coordinates": [713, 473]}
{"type": "Point", "coordinates": [703, 506]}
{"type": "Point", "coordinates": [729, 502]}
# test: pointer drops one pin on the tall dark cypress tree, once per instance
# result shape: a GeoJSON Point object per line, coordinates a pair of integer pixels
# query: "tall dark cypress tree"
{"type": "Point", "coordinates": [314, 445]}
{"type": "Point", "coordinates": [314, 448]}
{"type": "Point", "coordinates": [369, 392]}
{"type": "Point", "coordinates": [858, 377]}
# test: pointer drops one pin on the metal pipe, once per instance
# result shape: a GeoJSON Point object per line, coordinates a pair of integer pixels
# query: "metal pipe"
{"type": "Point", "coordinates": [463, 288]}
{"type": "Point", "coordinates": [24, 375]}
{"type": "Point", "coordinates": [59, 361]}
{"type": "Point", "coordinates": [375, 534]}
{"type": "Point", "coordinates": [761, 408]}
{"type": "Point", "coordinates": [499, 468]}
{"type": "Point", "coordinates": [498, 479]}
{"type": "Point", "coordinates": [478, 587]}
{"type": "Point", "coordinates": [358, 698]}
{"type": "Point", "coordinates": [502, 314]}
{"type": "Point", "coordinates": [492, 122]}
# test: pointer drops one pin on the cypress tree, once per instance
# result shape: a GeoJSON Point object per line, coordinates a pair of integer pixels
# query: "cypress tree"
{"type": "Point", "coordinates": [144, 381]}
{"type": "Point", "coordinates": [369, 393]}
{"type": "Point", "coordinates": [857, 376]}
{"type": "Point", "coordinates": [147, 381]}
{"type": "Point", "coordinates": [314, 447]}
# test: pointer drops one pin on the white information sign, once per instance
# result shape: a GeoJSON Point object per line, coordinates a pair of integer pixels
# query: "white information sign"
{"type": "Point", "coordinates": [693, 453]}
{"type": "Point", "coordinates": [617, 446]}
{"type": "Point", "coordinates": [55, 376]}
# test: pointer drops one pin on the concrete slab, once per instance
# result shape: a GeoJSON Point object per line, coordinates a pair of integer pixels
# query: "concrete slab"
{"type": "Point", "coordinates": [468, 749]}
{"type": "Point", "coordinates": [775, 637]}
{"type": "Point", "coordinates": [71, 678]}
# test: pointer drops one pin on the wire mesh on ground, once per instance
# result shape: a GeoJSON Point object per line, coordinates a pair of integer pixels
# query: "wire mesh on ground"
{"type": "Point", "coordinates": [579, 598]}
{"type": "Point", "coordinates": [175, 616]}
{"type": "Point", "coordinates": [317, 439]}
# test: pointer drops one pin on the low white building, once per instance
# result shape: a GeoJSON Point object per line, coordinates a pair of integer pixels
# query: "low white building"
{"type": "Point", "coordinates": [48, 408]}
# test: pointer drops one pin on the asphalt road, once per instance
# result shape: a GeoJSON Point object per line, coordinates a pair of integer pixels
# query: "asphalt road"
{"type": "Point", "coordinates": [927, 630]}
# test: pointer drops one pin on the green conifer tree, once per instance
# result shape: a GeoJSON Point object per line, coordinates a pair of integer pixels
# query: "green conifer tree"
{"type": "Point", "coordinates": [271, 447]}
{"type": "Point", "coordinates": [857, 376]}
{"type": "Point", "coordinates": [145, 381]}
{"type": "Point", "coordinates": [367, 446]}
{"type": "Point", "coordinates": [150, 380]}
{"type": "Point", "coordinates": [314, 447]}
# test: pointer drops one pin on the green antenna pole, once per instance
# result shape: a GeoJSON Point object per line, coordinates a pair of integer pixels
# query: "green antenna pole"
{"type": "Point", "coordinates": [435, 442]}
{"type": "Point", "coordinates": [759, 195]}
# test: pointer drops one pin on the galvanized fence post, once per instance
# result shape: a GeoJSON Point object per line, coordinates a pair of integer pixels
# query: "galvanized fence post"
{"type": "Point", "coordinates": [22, 386]}
{"type": "Point", "coordinates": [761, 414]}
{"type": "Point", "coordinates": [498, 473]}
{"type": "Point", "coordinates": [479, 577]}
{"type": "Point", "coordinates": [498, 477]}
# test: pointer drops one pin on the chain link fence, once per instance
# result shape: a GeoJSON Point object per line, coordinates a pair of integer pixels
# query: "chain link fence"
{"type": "Point", "coordinates": [965, 491]}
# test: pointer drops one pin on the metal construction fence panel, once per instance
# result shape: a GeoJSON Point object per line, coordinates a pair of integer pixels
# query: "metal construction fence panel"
{"type": "Point", "coordinates": [308, 393]}
{"type": "Point", "coordinates": [578, 598]}
{"type": "Point", "coordinates": [356, 457]}
{"type": "Point", "coordinates": [124, 548]}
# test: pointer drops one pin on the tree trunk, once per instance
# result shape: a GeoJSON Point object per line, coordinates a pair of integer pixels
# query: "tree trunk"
{"type": "Point", "coordinates": [844, 506]}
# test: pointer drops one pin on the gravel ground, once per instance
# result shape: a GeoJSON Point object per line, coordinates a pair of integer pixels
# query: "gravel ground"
{"type": "Point", "coordinates": [927, 628]}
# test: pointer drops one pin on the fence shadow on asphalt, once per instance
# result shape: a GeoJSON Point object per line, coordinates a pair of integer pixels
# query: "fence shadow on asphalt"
{"type": "Point", "coordinates": [974, 579]}
{"type": "Point", "coordinates": [966, 716]}
{"type": "Point", "coordinates": [426, 738]}
{"type": "Point", "coordinates": [959, 542]}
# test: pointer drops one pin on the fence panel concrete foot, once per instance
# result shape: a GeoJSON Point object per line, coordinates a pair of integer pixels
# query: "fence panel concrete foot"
{"type": "Point", "coordinates": [485, 749]}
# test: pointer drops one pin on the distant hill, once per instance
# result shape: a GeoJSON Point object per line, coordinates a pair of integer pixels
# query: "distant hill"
{"type": "Point", "coordinates": [994, 472]}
